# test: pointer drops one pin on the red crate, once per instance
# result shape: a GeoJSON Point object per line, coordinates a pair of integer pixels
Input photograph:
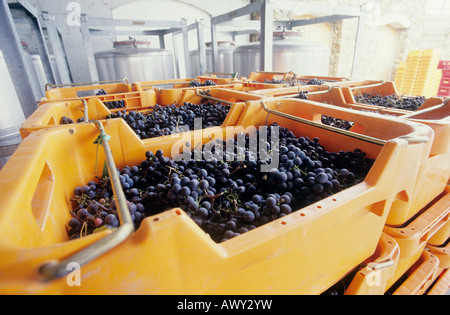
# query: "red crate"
{"type": "Point", "coordinates": [444, 92]}
{"type": "Point", "coordinates": [444, 65]}
{"type": "Point", "coordinates": [445, 82]}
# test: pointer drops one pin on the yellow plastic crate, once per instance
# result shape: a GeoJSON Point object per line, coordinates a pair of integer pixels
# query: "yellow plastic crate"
{"type": "Point", "coordinates": [434, 176]}
{"type": "Point", "coordinates": [413, 236]}
{"type": "Point", "coordinates": [420, 277]}
{"type": "Point", "coordinates": [72, 92]}
{"type": "Point", "coordinates": [441, 284]}
{"type": "Point", "coordinates": [442, 252]}
{"type": "Point", "coordinates": [441, 236]}
{"type": "Point", "coordinates": [49, 115]}
{"type": "Point", "coordinates": [169, 253]}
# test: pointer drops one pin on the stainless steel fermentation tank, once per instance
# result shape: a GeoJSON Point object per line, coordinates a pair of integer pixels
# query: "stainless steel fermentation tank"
{"type": "Point", "coordinates": [226, 58]}
{"type": "Point", "coordinates": [37, 76]}
{"type": "Point", "coordinates": [135, 61]}
{"type": "Point", "coordinates": [12, 115]}
{"type": "Point", "coordinates": [290, 53]}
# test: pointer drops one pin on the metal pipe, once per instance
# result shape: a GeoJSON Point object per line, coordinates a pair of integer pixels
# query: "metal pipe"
{"type": "Point", "coordinates": [233, 75]}
{"type": "Point", "coordinates": [82, 84]}
{"type": "Point", "coordinates": [167, 83]}
{"type": "Point", "coordinates": [54, 269]}
{"type": "Point", "coordinates": [379, 265]}
{"type": "Point", "coordinates": [297, 94]}
{"type": "Point", "coordinates": [322, 126]}
{"type": "Point", "coordinates": [409, 138]}
{"type": "Point", "coordinates": [276, 72]}
{"type": "Point", "coordinates": [213, 98]}
{"type": "Point", "coordinates": [86, 110]}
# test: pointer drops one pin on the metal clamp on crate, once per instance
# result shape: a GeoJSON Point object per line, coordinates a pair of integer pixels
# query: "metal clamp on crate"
{"type": "Point", "coordinates": [165, 82]}
{"type": "Point", "coordinates": [86, 111]}
{"type": "Point", "coordinates": [409, 138]}
{"type": "Point", "coordinates": [48, 85]}
{"type": "Point", "coordinates": [212, 98]}
{"type": "Point", "coordinates": [326, 127]}
{"type": "Point", "coordinates": [379, 265]}
{"type": "Point", "coordinates": [299, 93]}
{"type": "Point", "coordinates": [57, 269]}
{"type": "Point", "coordinates": [233, 75]}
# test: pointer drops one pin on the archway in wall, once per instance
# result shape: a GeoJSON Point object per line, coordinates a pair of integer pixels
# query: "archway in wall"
{"type": "Point", "coordinates": [390, 49]}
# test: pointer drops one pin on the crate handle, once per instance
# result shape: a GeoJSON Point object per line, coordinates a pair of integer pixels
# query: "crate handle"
{"type": "Point", "coordinates": [379, 265]}
{"type": "Point", "coordinates": [212, 98]}
{"type": "Point", "coordinates": [48, 85]}
{"type": "Point", "coordinates": [42, 197]}
{"type": "Point", "coordinates": [57, 269]}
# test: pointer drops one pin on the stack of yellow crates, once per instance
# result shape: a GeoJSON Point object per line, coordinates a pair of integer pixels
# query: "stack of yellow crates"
{"type": "Point", "coordinates": [400, 76]}
{"type": "Point", "coordinates": [419, 75]}
{"type": "Point", "coordinates": [428, 75]}
{"type": "Point", "coordinates": [412, 69]}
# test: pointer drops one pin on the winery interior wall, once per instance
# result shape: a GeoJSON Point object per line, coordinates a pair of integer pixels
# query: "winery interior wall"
{"type": "Point", "coordinates": [176, 10]}
{"type": "Point", "coordinates": [391, 30]}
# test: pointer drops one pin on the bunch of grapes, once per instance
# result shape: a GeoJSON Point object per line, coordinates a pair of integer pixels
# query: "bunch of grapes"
{"type": "Point", "coordinates": [303, 95]}
{"type": "Point", "coordinates": [330, 121]}
{"type": "Point", "coordinates": [167, 120]}
{"type": "Point", "coordinates": [391, 101]}
{"type": "Point", "coordinates": [96, 207]}
{"type": "Point", "coordinates": [314, 81]}
{"type": "Point", "coordinates": [66, 121]}
{"type": "Point", "coordinates": [113, 104]}
{"type": "Point", "coordinates": [338, 123]}
{"type": "Point", "coordinates": [195, 83]}
{"type": "Point", "coordinates": [226, 199]}
{"type": "Point", "coordinates": [274, 81]}
{"type": "Point", "coordinates": [295, 82]}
